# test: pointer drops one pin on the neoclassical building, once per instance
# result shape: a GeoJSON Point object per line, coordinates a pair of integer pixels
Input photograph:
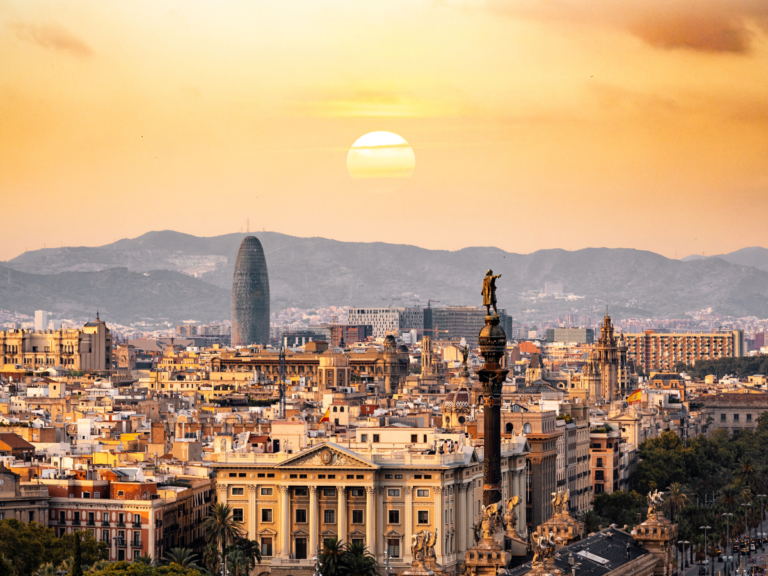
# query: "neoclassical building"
{"type": "Point", "coordinates": [291, 503]}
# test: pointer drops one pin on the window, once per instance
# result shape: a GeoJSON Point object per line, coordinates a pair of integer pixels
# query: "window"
{"type": "Point", "coordinates": [357, 516]}
{"type": "Point", "coordinates": [321, 475]}
{"type": "Point", "coordinates": [599, 488]}
{"type": "Point", "coordinates": [266, 515]}
{"type": "Point", "coordinates": [363, 437]}
{"type": "Point", "coordinates": [425, 438]}
{"type": "Point", "coordinates": [136, 554]}
{"type": "Point", "coordinates": [301, 516]}
{"type": "Point", "coordinates": [375, 437]}
{"type": "Point", "coordinates": [233, 475]}
{"type": "Point", "coordinates": [735, 417]}
{"type": "Point", "coordinates": [300, 492]}
{"type": "Point", "coordinates": [722, 417]}
{"type": "Point", "coordinates": [105, 536]}
{"type": "Point", "coordinates": [241, 475]}
{"type": "Point", "coordinates": [388, 476]}
{"type": "Point", "coordinates": [749, 417]}
{"type": "Point", "coordinates": [261, 475]}
{"type": "Point", "coordinates": [271, 475]}
{"type": "Point", "coordinates": [62, 519]}
{"type": "Point", "coordinates": [329, 517]}
{"type": "Point", "coordinates": [398, 476]}
{"type": "Point", "coordinates": [423, 517]}
{"type": "Point", "coordinates": [394, 516]}
{"type": "Point", "coordinates": [119, 492]}
{"type": "Point", "coordinates": [422, 493]}
{"type": "Point", "coordinates": [393, 492]}
{"type": "Point", "coordinates": [266, 491]}
{"type": "Point", "coordinates": [414, 438]}
{"type": "Point", "coordinates": [599, 462]}
{"type": "Point", "coordinates": [237, 514]}
{"type": "Point", "coordinates": [359, 477]}
{"type": "Point", "coordinates": [266, 546]}
{"type": "Point", "coordinates": [427, 476]}
{"type": "Point", "coordinates": [358, 492]}
{"type": "Point", "coordinates": [238, 491]}
{"type": "Point", "coordinates": [301, 548]}
{"type": "Point", "coordinates": [393, 544]}
{"type": "Point", "coordinates": [417, 476]}
{"type": "Point", "coordinates": [357, 541]}
{"type": "Point", "coordinates": [329, 491]}
{"type": "Point", "coordinates": [86, 495]}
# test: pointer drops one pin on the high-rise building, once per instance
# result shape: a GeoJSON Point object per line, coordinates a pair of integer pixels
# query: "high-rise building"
{"type": "Point", "coordinates": [456, 322]}
{"type": "Point", "coordinates": [250, 295]}
{"type": "Point", "coordinates": [41, 320]}
{"type": "Point", "coordinates": [662, 351]}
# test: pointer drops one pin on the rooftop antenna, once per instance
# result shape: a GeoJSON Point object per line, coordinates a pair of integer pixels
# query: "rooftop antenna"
{"type": "Point", "coordinates": [282, 382]}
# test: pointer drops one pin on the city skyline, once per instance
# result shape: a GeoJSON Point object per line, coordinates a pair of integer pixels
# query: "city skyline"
{"type": "Point", "coordinates": [597, 122]}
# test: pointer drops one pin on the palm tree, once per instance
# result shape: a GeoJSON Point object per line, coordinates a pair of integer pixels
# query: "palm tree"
{"type": "Point", "coordinates": [729, 496]}
{"type": "Point", "coordinates": [747, 474]}
{"type": "Point", "coordinates": [145, 559]}
{"type": "Point", "coordinates": [184, 557]}
{"type": "Point", "coordinates": [360, 565]}
{"type": "Point", "coordinates": [250, 549]}
{"type": "Point", "coordinates": [331, 556]}
{"type": "Point", "coordinates": [46, 569]}
{"type": "Point", "coordinates": [221, 527]}
{"type": "Point", "coordinates": [590, 519]}
{"type": "Point", "coordinates": [66, 565]}
{"type": "Point", "coordinates": [237, 562]}
{"type": "Point", "coordinates": [677, 499]}
{"type": "Point", "coordinates": [212, 558]}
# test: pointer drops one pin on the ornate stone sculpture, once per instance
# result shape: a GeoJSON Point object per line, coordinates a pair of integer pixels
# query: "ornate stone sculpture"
{"type": "Point", "coordinates": [489, 292]}
{"type": "Point", "coordinates": [560, 502]}
{"type": "Point", "coordinates": [491, 519]}
{"type": "Point", "coordinates": [510, 516]}
{"type": "Point", "coordinates": [417, 545]}
{"type": "Point", "coordinates": [543, 547]}
{"type": "Point", "coordinates": [655, 501]}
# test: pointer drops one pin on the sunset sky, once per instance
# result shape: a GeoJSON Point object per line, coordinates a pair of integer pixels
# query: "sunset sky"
{"type": "Point", "coordinates": [535, 123]}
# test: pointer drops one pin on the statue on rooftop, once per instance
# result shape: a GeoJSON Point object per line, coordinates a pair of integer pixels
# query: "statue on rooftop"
{"type": "Point", "coordinates": [489, 292]}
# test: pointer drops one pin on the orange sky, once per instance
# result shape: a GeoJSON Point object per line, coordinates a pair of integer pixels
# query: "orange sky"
{"type": "Point", "coordinates": [535, 124]}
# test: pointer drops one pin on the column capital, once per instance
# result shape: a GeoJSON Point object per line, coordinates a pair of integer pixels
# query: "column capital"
{"type": "Point", "coordinates": [341, 489]}
{"type": "Point", "coordinates": [439, 489]}
{"type": "Point", "coordinates": [313, 489]}
{"type": "Point", "coordinates": [463, 487]}
{"type": "Point", "coordinates": [221, 487]}
{"type": "Point", "coordinates": [371, 490]}
{"type": "Point", "coordinates": [252, 488]}
{"type": "Point", "coordinates": [282, 489]}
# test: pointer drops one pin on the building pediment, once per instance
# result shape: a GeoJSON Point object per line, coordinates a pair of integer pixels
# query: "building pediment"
{"type": "Point", "coordinates": [327, 456]}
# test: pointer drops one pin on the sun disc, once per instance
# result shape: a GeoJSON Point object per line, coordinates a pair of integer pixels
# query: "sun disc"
{"type": "Point", "coordinates": [381, 161]}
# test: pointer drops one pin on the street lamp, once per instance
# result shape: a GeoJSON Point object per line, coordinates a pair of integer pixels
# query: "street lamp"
{"type": "Point", "coordinates": [705, 528]}
{"type": "Point", "coordinates": [684, 543]}
{"type": "Point", "coordinates": [727, 540]}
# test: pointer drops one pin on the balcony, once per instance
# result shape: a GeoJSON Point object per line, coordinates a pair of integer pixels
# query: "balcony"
{"type": "Point", "coordinates": [121, 523]}
{"type": "Point", "coordinates": [76, 522]}
{"type": "Point", "coordinates": [105, 522]}
{"type": "Point", "coordinates": [136, 543]}
{"type": "Point", "coordinates": [137, 523]}
{"type": "Point", "coordinates": [90, 522]}
{"type": "Point", "coordinates": [121, 542]}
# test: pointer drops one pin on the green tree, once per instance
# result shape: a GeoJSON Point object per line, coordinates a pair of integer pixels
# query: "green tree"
{"type": "Point", "coordinates": [357, 561]}
{"type": "Point", "coordinates": [77, 561]}
{"type": "Point", "coordinates": [46, 569]}
{"type": "Point", "coordinates": [331, 555]}
{"type": "Point", "coordinates": [6, 568]}
{"type": "Point", "coordinates": [590, 519]}
{"type": "Point", "coordinates": [221, 528]}
{"type": "Point", "coordinates": [677, 499]}
{"type": "Point", "coordinates": [184, 557]}
{"type": "Point", "coordinates": [620, 507]}
{"type": "Point", "coordinates": [237, 563]}
{"type": "Point", "coordinates": [250, 549]}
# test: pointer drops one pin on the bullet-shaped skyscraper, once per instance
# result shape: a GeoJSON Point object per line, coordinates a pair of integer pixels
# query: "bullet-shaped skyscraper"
{"type": "Point", "coordinates": [250, 295]}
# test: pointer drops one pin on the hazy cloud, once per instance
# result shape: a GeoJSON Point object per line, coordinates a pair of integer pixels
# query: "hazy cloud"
{"type": "Point", "coordinates": [705, 25]}
{"type": "Point", "coordinates": [53, 37]}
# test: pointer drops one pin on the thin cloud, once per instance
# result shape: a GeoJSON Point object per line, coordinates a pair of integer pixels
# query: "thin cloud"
{"type": "Point", "coordinates": [52, 37]}
{"type": "Point", "coordinates": [720, 26]}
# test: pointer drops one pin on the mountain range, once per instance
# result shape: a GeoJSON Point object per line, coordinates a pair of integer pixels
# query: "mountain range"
{"type": "Point", "coordinates": [177, 276]}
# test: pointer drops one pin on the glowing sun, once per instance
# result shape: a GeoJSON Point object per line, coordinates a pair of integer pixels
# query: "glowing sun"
{"type": "Point", "coordinates": [381, 161]}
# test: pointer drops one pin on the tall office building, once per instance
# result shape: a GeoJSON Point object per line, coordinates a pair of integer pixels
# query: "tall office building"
{"type": "Point", "coordinates": [41, 320]}
{"type": "Point", "coordinates": [659, 351]}
{"type": "Point", "coordinates": [250, 295]}
{"type": "Point", "coordinates": [456, 322]}
{"type": "Point", "coordinates": [575, 335]}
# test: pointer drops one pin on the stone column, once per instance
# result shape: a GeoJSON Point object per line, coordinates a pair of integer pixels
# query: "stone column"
{"type": "Point", "coordinates": [462, 518]}
{"type": "Point", "coordinates": [408, 524]}
{"type": "Point", "coordinates": [252, 512]}
{"type": "Point", "coordinates": [471, 511]}
{"type": "Point", "coordinates": [439, 524]}
{"type": "Point", "coordinates": [382, 549]}
{"type": "Point", "coordinates": [313, 523]}
{"type": "Point", "coordinates": [342, 519]}
{"type": "Point", "coordinates": [493, 344]}
{"type": "Point", "coordinates": [285, 522]}
{"type": "Point", "coordinates": [521, 515]}
{"type": "Point", "coordinates": [222, 492]}
{"type": "Point", "coordinates": [370, 540]}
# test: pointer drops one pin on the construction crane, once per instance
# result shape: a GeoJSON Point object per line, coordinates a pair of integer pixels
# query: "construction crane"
{"type": "Point", "coordinates": [436, 330]}
{"type": "Point", "coordinates": [282, 382]}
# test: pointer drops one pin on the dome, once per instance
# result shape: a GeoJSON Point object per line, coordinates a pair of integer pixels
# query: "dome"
{"type": "Point", "coordinates": [458, 401]}
{"type": "Point", "coordinates": [402, 348]}
{"type": "Point", "coordinates": [389, 339]}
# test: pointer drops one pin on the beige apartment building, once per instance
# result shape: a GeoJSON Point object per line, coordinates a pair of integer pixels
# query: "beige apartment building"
{"type": "Point", "coordinates": [662, 351]}
{"type": "Point", "coordinates": [292, 503]}
{"type": "Point", "coordinates": [71, 349]}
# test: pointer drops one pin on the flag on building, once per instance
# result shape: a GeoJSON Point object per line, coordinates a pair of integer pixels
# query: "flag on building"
{"type": "Point", "coordinates": [636, 396]}
{"type": "Point", "coordinates": [326, 417]}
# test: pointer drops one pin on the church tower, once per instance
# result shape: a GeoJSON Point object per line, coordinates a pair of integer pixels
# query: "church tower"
{"type": "Point", "coordinates": [608, 357]}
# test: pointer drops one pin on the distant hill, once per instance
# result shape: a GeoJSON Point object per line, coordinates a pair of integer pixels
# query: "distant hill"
{"type": "Point", "coordinates": [310, 272]}
{"type": "Point", "coordinates": [754, 256]}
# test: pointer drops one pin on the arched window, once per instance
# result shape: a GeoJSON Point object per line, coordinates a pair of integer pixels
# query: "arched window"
{"type": "Point", "coordinates": [527, 428]}
{"type": "Point", "coordinates": [509, 428]}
